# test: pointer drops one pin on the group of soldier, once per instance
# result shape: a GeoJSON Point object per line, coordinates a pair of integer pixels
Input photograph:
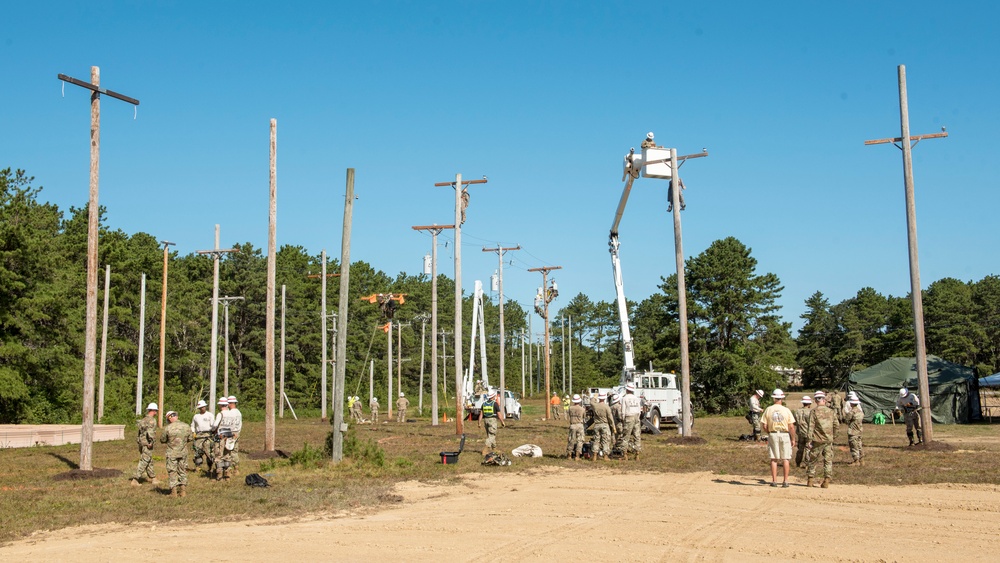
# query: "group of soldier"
{"type": "Point", "coordinates": [813, 427]}
{"type": "Point", "coordinates": [357, 414]}
{"type": "Point", "coordinates": [214, 439]}
{"type": "Point", "coordinates": [616, 422]}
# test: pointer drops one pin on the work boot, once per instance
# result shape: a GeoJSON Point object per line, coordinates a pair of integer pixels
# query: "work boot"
{"type": "Point", "coordinates": [134, 482]}
{"type": "Point", "coordinates": [809, 482]}
{"type": "Point", "coordinates": [825, 484]}
{"type": "Point", "coordinates": [173, 491]}
{"type": "Point", "coordinates": [181, 492]}
{"type": "Point", "coordinates": [861, 462]}
{"type": "Point", "coordinates": [636, 456]}
{"type": "Point", "coordinates": [155, 481]}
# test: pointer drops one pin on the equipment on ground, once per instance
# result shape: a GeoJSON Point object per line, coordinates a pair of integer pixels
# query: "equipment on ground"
{"type": "Point", "coordinates": [451, 458]}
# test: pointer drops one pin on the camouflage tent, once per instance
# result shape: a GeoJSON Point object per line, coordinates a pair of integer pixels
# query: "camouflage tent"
{"type": "Point", "coordinates": [954, 388]}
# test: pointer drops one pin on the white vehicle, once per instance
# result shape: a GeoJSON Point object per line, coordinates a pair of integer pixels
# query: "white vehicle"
{"type": "Point", "coordinates": [511, 407]}
{"type": "Point", "coordinates": [660, 391]}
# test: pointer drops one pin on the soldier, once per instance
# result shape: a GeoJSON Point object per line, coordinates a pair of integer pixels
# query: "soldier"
{"type": "Point", "coordinates": [802, 430]}
{"type": "Point", "coordinates": [145, 437]}
{"type": "Point", "coordinates": [201, 427]}
{"type": "Point", "coordinates": [219, 442]}
{"type": "Point", "coordinates": [836, 402]}
{"type": "Point", "coordinates": [176, 436]}
{"type": "Point", "coordinates": [489, 418]}
{"type": "Point", "coordinates": [755, 411]}
{"type": "Point", "coordinates": [236, 425]}
{"type": "Point", "coordinates": [401, 405]}
{"type": "Point", "coordinates": [854, 419]}
{"type": "Point", "coordinates": [356, 413]}
{"type": "Point", "coordinates": [823, 424]}
{"type": "Point", "coordinates": [555, 404]}
{"type": "Point", "coordinates": [779, 423]}
{"type": "Point", "coordinates": [604, 425]}
{"type": "Point", "coordinates": [373, 407]}
{"type": "Point", "coordinates": [632, 412]}
{"type": "Point", "coordinates": [910, 405]}
{"type": "Point", "coordinates": [616, 413]}
{"type": "Point", "coordinates": [576, 415]}
{"type": "Point", "coordinates": [648, 142]}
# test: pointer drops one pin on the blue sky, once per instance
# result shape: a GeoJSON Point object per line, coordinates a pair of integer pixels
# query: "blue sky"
{"type": "Point", "coordinates": [544, 99]}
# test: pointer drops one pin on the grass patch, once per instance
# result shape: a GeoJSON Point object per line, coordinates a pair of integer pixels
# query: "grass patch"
{"type": "Point", "coordinates": [376, 457]}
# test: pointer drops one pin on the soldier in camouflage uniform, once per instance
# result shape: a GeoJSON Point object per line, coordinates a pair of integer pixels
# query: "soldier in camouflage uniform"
{"type": "Point", "coordinates": [176, 435]}
{"type": "Point", "coordinates": [144, 439]}
{"type": "Point", "coordinates": [836, 402]}
{"type": "Point", "coordinates": [802, 416]}
{"type": "Point", "coordinates": [201, 427]}
{"type": "Point", "coordinates": [823, 424]}
{"type": "Point", "coordinates": [619, 418]}
{"type": "Point", "coordinates": [373, 406]}
{"type": "Point", "coordinates": [577, 414]}
{"type": "Point", "coordinates": [604, 427]}
{"type": "Point", "coordinates": [854, 421]}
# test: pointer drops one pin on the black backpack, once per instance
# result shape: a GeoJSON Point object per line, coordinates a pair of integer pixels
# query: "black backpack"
{"type": "Point", "coordinates": [255, 480]}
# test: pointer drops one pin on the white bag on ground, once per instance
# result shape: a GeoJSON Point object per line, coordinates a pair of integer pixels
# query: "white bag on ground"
{"type": "Point", "coordinates": [527, 450]}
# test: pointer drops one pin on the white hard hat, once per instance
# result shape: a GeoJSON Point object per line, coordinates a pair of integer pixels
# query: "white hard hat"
{"type": "Point", "coordinates": [852, 395]}
{"type": "Point", "coordinates": [200, 404]}
{"type": "Point", "coordinates": [649, 135]}
{"type": "Point", "coordinates": [152, 407]}
{"type": "Point", "coordinates": [223, 401]}
{"type": "Point", "coordinates": [903, 391]}
{"type": "Point", "coordinates": [602, 395]}
{"type": "Point", "coordinates": [855, 401]}
{"type": "Point", "coordinates": [778, 394]}
{"type": "Point", "coordinates": [630, 388]}
{"type": "Point", "coordinates": [400, 393]}
{"type": "Point", "coordinates": [171, 413]}
{"type": "Point", "coordinates": [232, 399]}
{"type": "Point", "coordinates": [760, 392]}
{"type": "Point", "coordinates": [807, 400]}
{"type": "Point", "coordinates": [819, 395]}
{"type": "Point", "coordinates": [577, 399]}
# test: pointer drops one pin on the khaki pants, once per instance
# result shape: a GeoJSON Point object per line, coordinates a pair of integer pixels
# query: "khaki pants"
{"type": "Point", "coordinates": [603, 434]}
{"type": "Point", "coordinates": [913, 421]}
{"type": "Point", "coordinates": [633, 434]}
{"type": "Point", "coordinates": [491, 425]}
{"type": "Point", "coordinates": [574, 446]}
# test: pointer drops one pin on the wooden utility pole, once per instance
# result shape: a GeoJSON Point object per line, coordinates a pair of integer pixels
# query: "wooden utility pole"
{"type": "Point", "coordinates": [93, 218]}
{"type": "Point", "coordinates": [281, 360]}
{"type": "Point", "coordinates": [388, 370]}
{"type": "Point", "coordinates": [675, 194]}
{"type": "Point", "coordinates": [342, 311]}
{"type": "Point", "coordinates": [225, 342]}
{"type": "Point", "coordinates": [142, 345]}
{"type": "Point", "coordinates": [423, 318]}
{"type": "Point", "coordinates": [444, 362]}
{"type": "Point", "coordinates": [104, 343]}
{"type": "Point", "coordinates": [163, 331]}
{"type": "Point", "coordinates": [522, 363]}
{"type": "Point", "coordinates": [399, 355]}
{"type": "Point", "coordinates": [323, 316]}
{"type": "Point", "coordinates": [461, 203]}
{"type": "Point", "coordinates": [435, 231]}
{"type": "Point", "coordinates": [916, 296]}
{"type": "Point", "coordinates": [272, 250]}
{"type": "Point", "coordinates": [562, 326]}
{"type": "Point", "coordinates": [213, 358]}
{"type": "Point", "coordinates": [500, 250]}
{"type": "Point", "coordinates": [569, 319]}
{"type": "Point", "coordinates": [547, 296]}
{"type": "Point", "coordinates": [531, 365]}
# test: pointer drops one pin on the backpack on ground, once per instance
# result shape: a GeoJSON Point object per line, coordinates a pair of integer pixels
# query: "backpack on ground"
{"type": "Point", "coordinates": [256, 480]}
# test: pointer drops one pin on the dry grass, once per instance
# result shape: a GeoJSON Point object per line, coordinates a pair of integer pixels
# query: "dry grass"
{"type": "Point", "coordinates": [32, 498]}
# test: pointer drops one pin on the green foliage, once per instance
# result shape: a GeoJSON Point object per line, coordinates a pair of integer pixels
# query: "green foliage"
{"type": "Point", "coordinates": [364, 452]}
{"type": "Point", "coordinates": [309, 457]}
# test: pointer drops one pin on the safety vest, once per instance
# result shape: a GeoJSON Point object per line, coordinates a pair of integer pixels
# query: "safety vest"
{"type": "Point", "coordinates": [489, 409]}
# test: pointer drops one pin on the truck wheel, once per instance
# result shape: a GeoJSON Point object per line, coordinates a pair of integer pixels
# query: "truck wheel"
{"type": "Point", "coordinates": [654, 418]}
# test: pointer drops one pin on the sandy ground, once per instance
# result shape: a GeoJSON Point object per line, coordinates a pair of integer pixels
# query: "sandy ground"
{"type": "Point", "coordinates": [554, 513]}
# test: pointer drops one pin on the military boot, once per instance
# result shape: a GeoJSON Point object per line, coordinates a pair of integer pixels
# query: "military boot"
{"type": "Point", "coordinates": [155, 481]}
{"type": "Point", "coordinates": [181, 492]}
{"type": "Point", "coordinates": [134, 482]}
{"type": "Point", "coordinates": [637, 456]}
{"type": "Point", "coordinates": [825, 484]}
{"type": "Point", "coordinates": [173, 491]}
{"type": "Point", "coordinates": [809, 482]}
{"type": "Point", "coordinates": [861, 462]}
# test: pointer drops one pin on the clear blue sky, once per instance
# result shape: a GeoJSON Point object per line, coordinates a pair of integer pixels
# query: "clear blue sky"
{"type": "Point", "coordinates": [543, 98]}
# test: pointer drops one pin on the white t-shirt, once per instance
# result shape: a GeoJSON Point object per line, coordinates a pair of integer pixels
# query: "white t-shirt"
{"type": "Point", "coordinates": [202, 422]}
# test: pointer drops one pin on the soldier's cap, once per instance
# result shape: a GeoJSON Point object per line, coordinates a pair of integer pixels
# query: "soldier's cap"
{"type": "Point", "coordinates": [760, 392]}
{"type": "Point", "coordinates": [819, 395]}
{"type": "Point", "coordinates": [232, 399]}
{"type": "Point", "coordinates": [152, 407]}
{"type": "Point", "coordinates": [171, 413]}
{"type": "Point", "coordinates": [200, 404]}
{"type": "Point", "coordinates": [807, 400]}
{"type": "Point", "coordinates": [223, 401]}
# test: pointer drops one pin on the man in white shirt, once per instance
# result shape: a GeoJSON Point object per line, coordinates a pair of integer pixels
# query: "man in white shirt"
{"type": "Point", "coordinates": [201, 427]}
{"type": "Point", "coordinates": [236, 424]}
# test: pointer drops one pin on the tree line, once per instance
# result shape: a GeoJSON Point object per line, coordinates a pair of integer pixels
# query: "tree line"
{"type": "Point", "coordinates": [735, 329]}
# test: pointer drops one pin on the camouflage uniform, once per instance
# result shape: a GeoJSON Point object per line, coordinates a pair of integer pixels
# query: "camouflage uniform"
{"type": "Point", "coordinates": [823, 425]}
{"type": "Point", "coordinates": [754, 416]}
{"type": "Point", "coordinates": [373, 405]}
{"type": "Point", "coordinates": [619, 427]}
{"type": "Point", "coordinates": [854, 421]}
{"type": "Point", "coordinates": [201, 427]}
{"type": "Point", "coordinates": [356, 413]}
{"type": "Point", "coordinates": [604, 422]}
{"type": "Point", "coordinates": [145, 437]}
{"type": "Point", "coordinates": [489, 419]}
{"type": "Point", "coordinates": [910, 405]}
{"type": "Point", "coordinates": [574, 446]}
{"type": "Point", "coordinates": [802, 434]}
{"type": "Point", "coordinates": [176, 436]}
{"type": "Point", "coordinates": [402, 404]}
{"type": "Point", "coordinates": [836, 402]}
{"type": "Point", "coordinates": [632, 411]}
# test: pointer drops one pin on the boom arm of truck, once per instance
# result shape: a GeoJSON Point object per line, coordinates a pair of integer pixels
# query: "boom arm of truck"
{"type": "Point", "coordinates": [632, 166]}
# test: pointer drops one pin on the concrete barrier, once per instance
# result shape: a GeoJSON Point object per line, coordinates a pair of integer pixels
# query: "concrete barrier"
{"type": "Point", "coordinates": [29, 435]}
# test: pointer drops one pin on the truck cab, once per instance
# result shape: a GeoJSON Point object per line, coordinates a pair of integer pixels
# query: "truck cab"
{"type": "Point", "coordinates": [660, 395]}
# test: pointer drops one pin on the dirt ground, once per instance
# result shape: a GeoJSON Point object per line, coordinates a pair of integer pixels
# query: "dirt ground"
{"type": "Point", "coordinates": [553, 512]}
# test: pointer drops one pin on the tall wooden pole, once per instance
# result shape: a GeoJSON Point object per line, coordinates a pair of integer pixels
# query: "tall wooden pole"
{"type": "Point", "coordinates": [547, 297]}
{"type": "Point", "coordinates": [562, 326]}
{"type": "Point", "coordinates": [104, 343]}
{"type": "Point", "coordinates": [142, 345]}
{"type": "Point", "coordinates": [531, 364]}
{"type": "Point", "coordinates": [225, 367]}
{"type": "Point", "coordinates": [522, 363]}
{"type": "Point", "coordinates": [271, 265]}
{"type": "Point", "coordinates": [281, 361]}
{"type": "Point", "coordinates": [342, 315]}
{"type": "Point", "coordinates": [93, 218]}
{"type": "Point", "coordinates": [686, 420]}
{"type": "Point", "coordinates": [459, 400]}
{"type": "Point", "coordinates": [388, 371]}
{"type": "Point", "coordinates": [322, 324]}
{"type": "Point", "coordinates": [434, 329]}
{"type": "Point", "coordinates": [423, 346]}
{"type": "Point", "coordinates": [570, 327]}
{"type": "Point", "coordinates": [163, 331]}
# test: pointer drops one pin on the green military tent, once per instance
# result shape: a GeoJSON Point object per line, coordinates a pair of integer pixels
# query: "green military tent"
{"type": "Point", "coordinates": [954, 388]}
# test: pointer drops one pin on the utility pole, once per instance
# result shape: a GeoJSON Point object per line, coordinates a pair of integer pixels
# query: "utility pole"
{"type": "Point", "coordinates": [444, 362]}
{"type": "Point", "coordinates": [500, 250]}
{"type": "Point", "coordinates": [547, 295]}
{"type": "Point", "coordinates": [435, 231]}
{"type": "Point", "coordinates": [423, 318]}
{"type": "Point", "coordinates": [461, 203]}
{"type": "Point", "coordinates": [272, 259]}
{"type": "Point", "coordinates": [916, 297]}
{"type": "Point", "coordinates": [341, 351]}
{"type": "Point", "coordinates": [93, 217]}
{"type": "Point", "coordinates": [323, 316]}
{"type": "Point", "coordinates": [399, 355]}
{"type": "Point", "coordinates": [522, 363]}
{"type": "Point", "coordinates": [562, 326]}
{"type": "Point", "coordinates": [281, 361]}
{"type": "Point", "coordinates": [388, 370]}
{"type": "Point", "coordinates": [570, 319]}
{"type": "Point", "coordinates": [104, 343]}
{"type": "Point", "coordinates": [142, 345]}
{"type": "Point", "coordinates": [213, 359]}
{"type": "Point", "coordinates": [163, 330]}
{"type": "Point", "coordinates": [225, 340]}
{"type": "Point", "coordinates": [531, 353]}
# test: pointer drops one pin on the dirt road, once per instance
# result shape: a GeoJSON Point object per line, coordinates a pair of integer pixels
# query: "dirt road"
{"type": "Point", "coordinates": [552, 513]}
